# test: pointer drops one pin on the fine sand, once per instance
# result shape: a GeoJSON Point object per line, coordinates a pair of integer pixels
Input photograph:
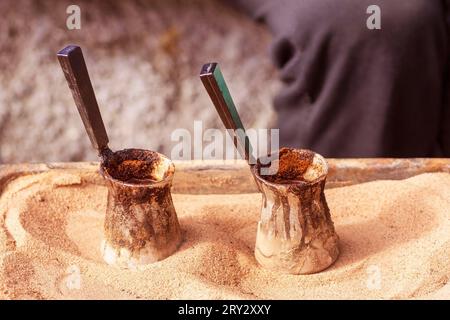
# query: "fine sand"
{"type": "Point", "coordinates": [394, 243]}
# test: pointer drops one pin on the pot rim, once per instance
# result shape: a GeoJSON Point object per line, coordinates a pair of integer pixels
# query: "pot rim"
{"type": "Point", "coordinates": [255, 171]}
{"type": "Point", "coordinates": [166, 180]}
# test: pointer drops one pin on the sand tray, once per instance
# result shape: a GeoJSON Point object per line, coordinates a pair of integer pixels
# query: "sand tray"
{"type": "Point", "coordinates": [392, 217]}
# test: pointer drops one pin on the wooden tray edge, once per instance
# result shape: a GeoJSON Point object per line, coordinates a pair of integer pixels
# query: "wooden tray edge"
{"type": "Point", "coordinates": [212, 176]}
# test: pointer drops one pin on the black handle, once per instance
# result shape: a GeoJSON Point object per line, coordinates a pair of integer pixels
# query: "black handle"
{"type": "Point", "coordinates": [77, 76]}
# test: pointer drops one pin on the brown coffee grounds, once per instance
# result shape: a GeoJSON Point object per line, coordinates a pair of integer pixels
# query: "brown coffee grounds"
{"type": "Point", "coordinates": [132, 165]}
{"type": "Point", "coordinates": [132, 170]}
{"type": "Point", "coordinates": [292, 165]}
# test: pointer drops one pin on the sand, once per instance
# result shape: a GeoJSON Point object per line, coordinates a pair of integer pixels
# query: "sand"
{"type": "Point", "coordinates": [394, 243]}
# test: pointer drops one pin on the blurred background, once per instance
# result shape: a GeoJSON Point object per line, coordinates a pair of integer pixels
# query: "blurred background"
{"type": "Point", "coordinates": [143, 57]}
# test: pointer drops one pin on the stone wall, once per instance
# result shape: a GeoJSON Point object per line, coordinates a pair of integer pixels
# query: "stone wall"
{"type": "Point", "coordinates": [144, 58]}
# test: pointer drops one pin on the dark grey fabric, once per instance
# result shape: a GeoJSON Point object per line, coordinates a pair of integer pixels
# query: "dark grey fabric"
{"type": "Point", "coordinates": [353, 92]}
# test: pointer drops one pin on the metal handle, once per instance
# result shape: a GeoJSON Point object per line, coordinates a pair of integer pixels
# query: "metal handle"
{"type": "Point", "coordinates": [217, 89]}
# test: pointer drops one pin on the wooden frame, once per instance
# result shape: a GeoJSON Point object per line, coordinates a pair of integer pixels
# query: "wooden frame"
{"type": "Point", "coordinates": [213, 177]}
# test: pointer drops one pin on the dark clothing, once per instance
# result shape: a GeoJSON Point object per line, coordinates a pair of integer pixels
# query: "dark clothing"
{"type": "Point", "coordinates": [353, 92]}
